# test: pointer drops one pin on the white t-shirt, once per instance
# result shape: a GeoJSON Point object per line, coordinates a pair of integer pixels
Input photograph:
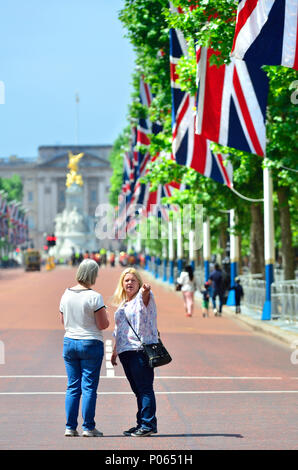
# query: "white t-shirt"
{"type": "Point", "coordinates": [187, 284]}
{"type": "Point", "coordinates": [78, 307]}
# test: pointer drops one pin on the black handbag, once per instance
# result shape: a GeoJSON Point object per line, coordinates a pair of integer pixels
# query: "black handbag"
{"type": "Point", "coordinates": [156, 353]}
{"type": "Point", "coordinates": [178, 286]}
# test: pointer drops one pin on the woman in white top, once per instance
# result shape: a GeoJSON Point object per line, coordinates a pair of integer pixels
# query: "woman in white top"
{"type": "Point", "coordinates": [84, 317]}
{"type": "Point", "coordinates": [186, 280]}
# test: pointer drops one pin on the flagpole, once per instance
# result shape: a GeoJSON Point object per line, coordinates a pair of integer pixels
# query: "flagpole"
{"type": "Point", "coordinates": [206, 248]}
{"type": "Point", "coordinates": [171, 252]}
{"type": "Point", "coordinates": [179, 244]}
{"type": "Point", "coordinates": [157, 257]}
{"type": "Point", "coordinates": [147, 258]}
{"type": "Point", "coordinates": [164, 253]}
{"type": "Point", "coordinates": [192, 248]}
{"type": "Point", "coordinates": [165, 260]}
{"type": "Point", "coordinates": [234, 257]}
{"type": "Point", "coordinates": [139, 240]}
{"type": "Point", "coordinates": [268, 240]}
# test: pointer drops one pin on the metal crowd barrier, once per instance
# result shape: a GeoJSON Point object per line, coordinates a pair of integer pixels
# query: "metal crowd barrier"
{"type": "Point", "coordinates": [284, 298]}
{"type": "Point", "coordinates": [254, 291]}
{"type": "Point", "coordinates": [284, 294]}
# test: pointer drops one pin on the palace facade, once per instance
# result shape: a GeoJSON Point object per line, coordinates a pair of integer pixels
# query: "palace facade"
{"type": "Point", "coordinates": [44, 181]}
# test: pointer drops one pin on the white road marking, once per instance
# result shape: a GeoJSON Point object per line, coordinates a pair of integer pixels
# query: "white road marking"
{"type": "Point", "coordinates": [165, 377]}
{"type": "Point", "coordinates": [194, 392]}
{"type": "Point", "coordinates": [109, 367]}
{"type": "Point", "coordinates": [110, 373]}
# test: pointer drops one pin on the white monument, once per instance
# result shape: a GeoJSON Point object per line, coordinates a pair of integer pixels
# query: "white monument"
{"type": "Point", "coordinates": [74, 230]}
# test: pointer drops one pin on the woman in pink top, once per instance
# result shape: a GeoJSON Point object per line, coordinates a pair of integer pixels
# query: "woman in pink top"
{"type": "Point", "coordinates": [136, 306]}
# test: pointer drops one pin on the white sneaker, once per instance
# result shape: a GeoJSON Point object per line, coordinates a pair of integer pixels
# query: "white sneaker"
{"type": "Point", "coordinates": [92, 433]}
{"type": "Point", "coordinates": [71, 432]}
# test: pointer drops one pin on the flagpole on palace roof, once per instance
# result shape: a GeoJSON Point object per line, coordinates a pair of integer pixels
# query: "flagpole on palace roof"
{"type": "Point", "coordinates": [77, 119]}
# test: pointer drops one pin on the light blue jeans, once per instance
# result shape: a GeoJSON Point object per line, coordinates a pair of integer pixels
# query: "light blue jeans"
{"type": "Point", "coordinates": [82, 358]}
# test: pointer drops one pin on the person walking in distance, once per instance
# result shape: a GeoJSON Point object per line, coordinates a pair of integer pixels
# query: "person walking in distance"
{"type": "Point", "coordinates": [84, 316]}
{"type": "Point", "coordinates": [136, 307]}
{"type": "Point", "coordinates": [187, 282]}
{"type": "Point", "coordinates": [239, 293]}
{"type": "Point", "coordinates": [217, 289]}
{"type": "Point", "coordinates": [205, 302]}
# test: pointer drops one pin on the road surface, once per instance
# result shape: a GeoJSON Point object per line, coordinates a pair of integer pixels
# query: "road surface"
{"type": "Point", "coordinates": [227, 387]}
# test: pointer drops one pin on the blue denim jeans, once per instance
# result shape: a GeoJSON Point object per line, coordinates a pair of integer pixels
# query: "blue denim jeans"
{"type": "Point", "coordinates": [82, 358]}
{"type": "Point", "coordinates": [221, 299]}
{"type": "Point", "coordinates": [140, 377]}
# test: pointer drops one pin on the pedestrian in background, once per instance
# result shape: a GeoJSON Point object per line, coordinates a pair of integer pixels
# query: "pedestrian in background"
{"type": "Point", "coordinates": [112, 259]}
{"type": "Point", "coordinates": [217, 289]}
{"type": "Point", "coordinates": [84, 317]}
{"type": "Point", "coordinates": [188, 287]}
{"type": "Point", "coordinates": [206, 296]}
{"type": "Point", "coordinates": [239, 293]}
{"type": "Point", "coordinates": [136, 306]}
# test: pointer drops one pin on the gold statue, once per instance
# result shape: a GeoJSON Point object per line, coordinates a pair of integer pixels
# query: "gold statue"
{"type": "Point", "coordinates": [73, 177]}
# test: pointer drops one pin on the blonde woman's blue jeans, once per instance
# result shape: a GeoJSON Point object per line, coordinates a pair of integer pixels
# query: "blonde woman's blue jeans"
{"type": "Point", "coordinates": [82, 358]}
{"type": "Point", "coordinates": [141, 377]}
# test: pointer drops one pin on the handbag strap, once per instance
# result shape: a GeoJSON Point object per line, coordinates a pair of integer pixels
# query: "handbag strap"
{"type": "Point", "coordinates": [135, 331]}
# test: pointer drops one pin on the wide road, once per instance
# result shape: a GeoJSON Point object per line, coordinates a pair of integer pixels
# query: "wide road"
{"type": "Point", "coordinates": [227, 387]}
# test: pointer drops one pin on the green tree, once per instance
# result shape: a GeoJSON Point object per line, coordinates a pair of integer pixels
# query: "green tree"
{"type": "Point", "coordinates": [13, 187]}
{"type": "Point", "coordinates": [211, 23]}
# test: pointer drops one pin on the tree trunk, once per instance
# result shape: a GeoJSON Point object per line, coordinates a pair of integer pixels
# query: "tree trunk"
{"type": "Point", "coordinates": [288, 261]}
{"type": "Point", "coordinates": [257, 264]}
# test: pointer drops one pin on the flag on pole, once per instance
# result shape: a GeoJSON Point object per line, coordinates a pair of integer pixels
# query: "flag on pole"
{"type": "Point", "coordinates": [266, 32]}
{"type": "Point", "coordinates": [189, 148]}
{"type": "Point", "coordinates": [231, 103]}
{"type": "Point", "coordinates": [134, 193]}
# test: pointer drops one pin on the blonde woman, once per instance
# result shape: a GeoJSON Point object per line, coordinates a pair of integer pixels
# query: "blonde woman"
{"type": "Point", "coordinates": [136, 306]}
{"type": "Point", "coordinates": [84, 317]}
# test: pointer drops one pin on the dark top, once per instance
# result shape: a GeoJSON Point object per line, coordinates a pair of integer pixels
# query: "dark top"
{"type": "Point", "coordinates": [205, 293]}
{"type": "Point", "coordinates": [238, 291]}
{"type": "Point", "coordinates": [217, 280]}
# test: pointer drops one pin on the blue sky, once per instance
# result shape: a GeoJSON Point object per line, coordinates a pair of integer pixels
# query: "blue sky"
{"type": "Point", "coordinates": [49, 51]}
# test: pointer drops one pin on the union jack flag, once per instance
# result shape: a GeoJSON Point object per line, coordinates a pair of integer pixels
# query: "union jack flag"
{"type": "Point", "coordinates": [231, 103]}
{"type": "Point", "coordinates": [134, 193]}
{"type": "Point", "coordinates": [128, 170]}
{"type": "Point", "coordinates": [266, 32]}
{"type": "Point", "coordinates": [189, 148]}
{"type": "Point", "coordinates": [146, 203]}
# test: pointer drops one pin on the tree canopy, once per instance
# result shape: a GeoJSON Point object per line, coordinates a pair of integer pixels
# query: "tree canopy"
{"type": "Point", "coordinates": [207, 23]}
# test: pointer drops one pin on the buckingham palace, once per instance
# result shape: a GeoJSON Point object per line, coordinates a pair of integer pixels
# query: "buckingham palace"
{"type": "Point", "coordinates": [44, 179]}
